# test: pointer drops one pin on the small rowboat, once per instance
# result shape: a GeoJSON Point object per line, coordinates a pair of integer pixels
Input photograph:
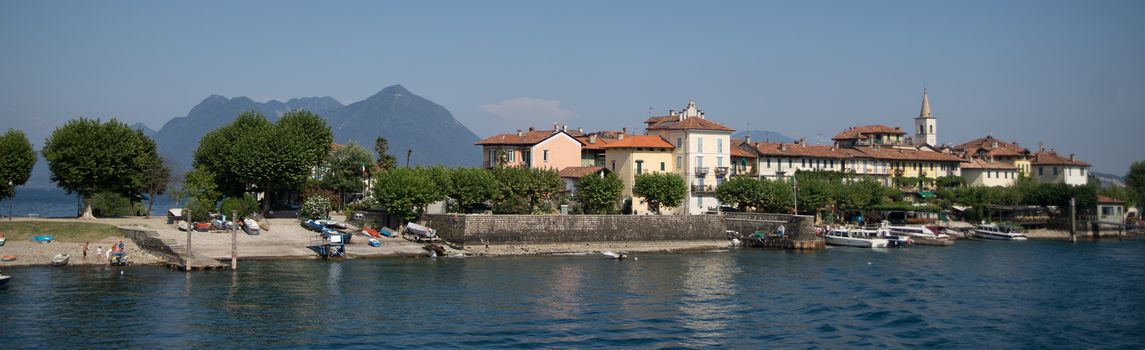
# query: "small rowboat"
{"type": "Point", "coordinates": [375, 242]}
{"type": "Point", "coordinates": [8, 258]}
{"type": "Point", "coordinates": [44, 238]}
{"type": "Point", "coordinates": [61, 259]}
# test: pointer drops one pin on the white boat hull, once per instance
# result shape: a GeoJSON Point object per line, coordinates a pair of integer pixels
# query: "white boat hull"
{"type": "Point", "coordinates": [857, 242]}
{"type": "Point", "coordinates": [998, 236]}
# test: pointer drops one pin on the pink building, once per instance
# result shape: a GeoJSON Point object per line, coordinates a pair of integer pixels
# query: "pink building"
{"type": "Point", "coordinates": [542, 149]}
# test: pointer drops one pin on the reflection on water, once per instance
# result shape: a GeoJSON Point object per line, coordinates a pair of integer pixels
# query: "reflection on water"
{"type": "Point", "coordinates": [973, 295]}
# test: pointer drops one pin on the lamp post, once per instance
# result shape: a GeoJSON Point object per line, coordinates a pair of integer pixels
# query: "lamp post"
{"type": "Point", "coordinates": [11, 200]}
{"type": "Point", "coordinates": [795, 190]}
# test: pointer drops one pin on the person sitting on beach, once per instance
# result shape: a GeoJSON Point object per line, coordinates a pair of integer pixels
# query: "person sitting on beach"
{"type": "Point", "coordinates": [120, 246]}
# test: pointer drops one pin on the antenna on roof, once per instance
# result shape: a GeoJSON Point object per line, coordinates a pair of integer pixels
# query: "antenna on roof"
{"type": "Point", "coordinates": [649, 111]}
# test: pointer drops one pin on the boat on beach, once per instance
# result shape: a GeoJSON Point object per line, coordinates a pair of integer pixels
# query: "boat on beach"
{"type": "Point", "coordinates": [117, 258]}
{"type": "Point", "coordinates": [421, 233]}
{"type": "Point", "coordinates": [855, 237]}
{"type": "Point", "coordinates": [2, 239]}
{"type": "Point", "coordinates": [250, 227]}
{"type": "Point", "coordinates": [61, 259]}
{"type": "Point", "coordinates": [998, 232]}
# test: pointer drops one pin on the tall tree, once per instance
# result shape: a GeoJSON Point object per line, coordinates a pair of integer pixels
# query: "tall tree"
{"type": "Point", "coordinates": [16, 160]}
{"type": "Point", "coordinates": [526, 186]}
{"type": "Point", "coordinates": [599, 195]}
{"type": "Point", "coordinates": [660, 190]}
{"type": "Point", "coordinates": [1135, 180]}
{"type": "Point", "coordinates": [252, 153]}
{"type": "Point", "coordinates": [158, 175]}
{"type": "Point", "coordinates": [87, 156]}
{"type": "Point", "coordinates": [346, 169]}
{"type": "Point", "coordinates": [386, 160]}
{"type": "Point", "coordinates": [471, 186]}
{"type": "Point", "coordinates": [405, 191]}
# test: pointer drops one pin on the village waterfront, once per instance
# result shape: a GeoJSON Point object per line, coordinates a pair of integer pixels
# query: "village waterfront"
{"type": "Point", "coordinates": [976, 294]}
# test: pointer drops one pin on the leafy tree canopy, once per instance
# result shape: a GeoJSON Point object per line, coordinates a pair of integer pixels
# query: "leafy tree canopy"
{"type": "Point", "coordinates": [1135, 180]}
{"type": "Point", "coordinates": [599, 195]}
{"type": "Point", "coordinates": [87, 156]}
{"type": "Point", "coordinates": [346, 167]}
{"type": "Point", "coordinates": [471, 186]}
{"type": "Point", "coordinates": [405, 191]}
{"type": "Point", "coordinates": [16, 160]}
{"type": "Point", "coordinates": [660, 190]}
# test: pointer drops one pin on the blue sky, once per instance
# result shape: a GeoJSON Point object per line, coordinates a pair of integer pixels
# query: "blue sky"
{"type": "Point", "coordinates": [1067, 74]}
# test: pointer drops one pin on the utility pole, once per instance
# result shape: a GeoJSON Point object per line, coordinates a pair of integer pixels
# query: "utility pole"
{"type": "Point", "coordinates": [234, 243]}
{"type": "Point", "coordinates": [409, 153]}
{"type": "Point", "coordinates": [795, 190]}
{"type": "Point", "coordinates": [190, 228]}
{"type": "Point", "coordinates": [1072, 224]}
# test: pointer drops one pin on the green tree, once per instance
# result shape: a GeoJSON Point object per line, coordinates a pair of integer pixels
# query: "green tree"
{"type": "Point", "coordinates": [599, 195]}
{"type": "Point", "coordinates": [158, 175]}
{"type": "Point", "coordinates": [87, 156]}
{"type": "Point", "coordinates": [742, 192]}
{"type": "Point", "coordinates": [16, 160]}
{"type": "Point", "coordinates": [814, 193]}
{"type": "Point", "coordinates": [776, 196]}
{"type": "Point", "coordinates": [1135, 180]}
{"type": "Point", "coordinates": [522, 190]}
{"type": "Point", "coordinates": [346, 168]}
{"type": "Point", "coordinates": [386, 161]}
{"type": "Point", "coordinates": [253, 153]}
{"type": "Point", "coordinates": [660, 190]}
{"type": "Point", "coordinates": [239, 207]}
{"type": "Point", "coordinates": [405, 191]}
{"type": "Point", "coordinates": [471, 186]}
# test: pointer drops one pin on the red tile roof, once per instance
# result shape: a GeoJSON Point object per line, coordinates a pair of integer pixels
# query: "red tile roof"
{"type": "Point", "coordinates": [1052, 158]}
{"type": "Point", "coordinates": [1104, 199]}
{"type": "Point", "coordinates": [694, 123]}
{"type": "Point", "coordinates": [781, 149]}
{"type": "Point", "coordinates": [976, 163]}
{"type": "Point", "coordinates": [991, 146]}
{"type": "Point", "coordinates": [741, 149]}
{"type": "Point", "coordinates": [577, 172]}
{"type": "Point", "coordinates": [861, 132]}
{"type": "Point", "coordinates": [890, 153]}
{"type": "Point", "coordinates": [524, 138]}
{"type": "Point", "coordinates": [640, 141]}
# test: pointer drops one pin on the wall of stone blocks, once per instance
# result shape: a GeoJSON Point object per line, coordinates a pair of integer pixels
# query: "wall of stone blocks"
{"type": "Point", "coordinates": [479, 229]}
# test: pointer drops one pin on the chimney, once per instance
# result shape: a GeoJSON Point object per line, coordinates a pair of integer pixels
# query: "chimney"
{"type": "Point", "coordinates": [624, 130]}
{"type": "Point", "coordinates": [519, 133]}
{"type": "Point", "coordinates": [531, 129]}
{"type": "Point", "coordinates": [565, 128]}
{"type": "Point", "coordinates": [802, 141]}
{"type": "Point", "coordinates": [620, 137]}
{"type": "Point", "coordinates": [592, 138]}
{"type": "Point", "coordinates": [556, 127]}
{"type": "Point", "coordinates": [1072, 157]}
{"type": "Point", "coordinates": [782, 147]}
{"type": "Point", "coordinates": [747, 139]}
{"type": "Point", "coordinates": [580, 130]}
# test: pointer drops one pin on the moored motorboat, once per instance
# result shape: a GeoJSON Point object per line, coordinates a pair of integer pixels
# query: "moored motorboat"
{"type": "Point", "coordinates": [117, 258]}
{"type": "Point", "coordinates": [855, 237]}
{"type": "Point", "coordinates": [4, 280]}
{"type": "Point", "coordinates": [998, 232]}
{"type": "Point", "coordinates": [60, 259]}
{"type": "Point", "coordinates": [941, 242]}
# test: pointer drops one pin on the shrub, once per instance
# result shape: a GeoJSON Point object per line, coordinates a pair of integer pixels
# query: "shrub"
{"type": "Point", "coordinates": [242, 206]}
{"type": "Point", "coordinates": [110, 204]}
{"type": "Point", "coordinates": [316, 207]}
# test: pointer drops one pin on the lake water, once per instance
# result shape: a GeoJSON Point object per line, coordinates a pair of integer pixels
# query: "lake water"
{"type": "Point", "coordinates": [977, 295]}
{"type": "Point", "coordinates": [55, 202]}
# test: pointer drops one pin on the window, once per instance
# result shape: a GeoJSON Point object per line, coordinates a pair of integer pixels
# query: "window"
{"type": "Point", "coordinates": [639, 167]}
{"type": "Point", "coordinates": [661, 166]}
{"type": "Point", "coordinates": [512, 157]}
{"type": "Point", "coordinates": [720, 162]}
{"type": "Point", "coordinates": [932, 129]}
{"type": "Point", "coordinates": [699, 145]}
{"type": "Point", "coordinates": [1082, 171]}
{"type": "Point", "coordinates": [920, 130]}
{"type": "Point", "coordinates": [719, 146]}
{"type": "Point", "coordinates": [679, 142]}
{"type": "Point", "coordinates": [699, 161]}
{"type": "Point", "coordinates": [802, 162]}
{"type": "Point", "coordinates": [546, 156]}
{"type": "Point", "coordinates": [614, 165]}
{"type": "Point", "coordinates": [1040, 173]}
{"type": "Point", "coordinates": [679, 162]}
{"type": "Point", "coordinates": [769, 162]}
{"type": "Point", "coordinates": [987, 174]}
{"type": "Point", "coordinates": [492, 157]}
{"type": "Point", "coordinates": [700, 202]}
{"type": "Point", "coordinates": [1055, 171]}
{"type": "Point", "coordinates": [789, 163]}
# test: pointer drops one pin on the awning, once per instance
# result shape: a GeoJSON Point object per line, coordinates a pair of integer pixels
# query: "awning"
{"type": "Point", "coordinates": [926, 194]}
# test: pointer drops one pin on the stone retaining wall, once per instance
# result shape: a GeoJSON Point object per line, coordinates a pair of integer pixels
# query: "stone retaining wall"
{"type": "Point", "coordinates": [512, 229]}
{"type": "Point", "coordinates": [149, 240]}
{"type": "Point", "coordinates": [515, 229]}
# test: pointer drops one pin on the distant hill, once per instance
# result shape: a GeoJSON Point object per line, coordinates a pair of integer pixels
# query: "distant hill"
{"type": "Point", "coordinates": [763, 135]}
{"type": "Point", "coordinates": [146, 130]}
{"type": "Point", "coordinates": [1108, 179]}
{"type": "Point", "coordinates": [407, 120]}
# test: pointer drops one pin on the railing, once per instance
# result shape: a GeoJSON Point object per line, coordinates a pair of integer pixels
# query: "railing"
{"type": "Point", "coordinates": [703, 189]}
{"type": "Point", "coordinates": [721, 171]}
{"type": "Point", "coordinates": [701, 170]}
{"type": "Point", "coordinates": [742, 172]}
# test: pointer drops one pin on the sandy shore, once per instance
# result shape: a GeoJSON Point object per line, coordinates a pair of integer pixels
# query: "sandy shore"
{"type": "Point", "coordinates": [40, 254]}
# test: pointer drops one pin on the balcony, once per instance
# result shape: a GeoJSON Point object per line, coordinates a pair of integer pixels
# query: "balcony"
{"type": "Point", "coordinates": [721, 171]}
{"type": "Point", "coordinates": [744, 172]}
{"type": "Point", "coordinates": [705, 189]}
{"type": "Point", "coordinates": [702, 171]}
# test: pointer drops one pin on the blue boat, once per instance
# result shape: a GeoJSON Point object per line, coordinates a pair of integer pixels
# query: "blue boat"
{"type": "Point", "coordinates": [44, 238]}
{"type": "Point", "coordinates": [314, 225]}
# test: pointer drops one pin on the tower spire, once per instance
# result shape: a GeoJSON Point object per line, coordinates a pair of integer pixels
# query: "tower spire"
{"type": "Point", "coordinates": [925, 112]}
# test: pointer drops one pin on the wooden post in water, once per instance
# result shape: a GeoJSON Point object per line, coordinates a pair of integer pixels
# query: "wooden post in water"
{"type": "Point", "coordinates": [190, 227]}
{"type": "Point", "coordinates": [1072, 223]}
{"type": "Point", "coordinates": [234, 243]}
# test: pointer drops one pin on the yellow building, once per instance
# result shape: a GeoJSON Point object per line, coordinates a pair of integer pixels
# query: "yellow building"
{"type": "Point", "coordinates": [634, 155]}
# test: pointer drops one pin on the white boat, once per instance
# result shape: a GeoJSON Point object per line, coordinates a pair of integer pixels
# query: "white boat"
{"type": "Point", "coordinates": [421, 232]}
{"type": "Point", "coordinates": [993, 231]}
{"type": "Point", "coordinates": [250, 226]}
{"type": "Point", "coordinates": [915, 231]}
{"type": "Point", "coordinates": [4, 280]}
{"type": "Point", "coordinates": [855, 237]}
{"type": "Point", "coordinates": [61, 259]}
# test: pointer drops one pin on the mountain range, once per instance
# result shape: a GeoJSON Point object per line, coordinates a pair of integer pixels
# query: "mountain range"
{"type": "Point", "coordinates": [763, 135]}
{"type": "Point", "coordinates": [408, 121]}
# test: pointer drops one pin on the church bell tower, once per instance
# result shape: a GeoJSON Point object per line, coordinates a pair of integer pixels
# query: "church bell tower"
{"type": "Point", "coordinates": [925, 126]}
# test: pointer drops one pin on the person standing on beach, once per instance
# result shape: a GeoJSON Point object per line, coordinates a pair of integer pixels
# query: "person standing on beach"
{"type": "Point", "coordinates": [98, 250]}
{"type": "Point", "coordinates": [121, 246]}
{"type": "Point", "coordinates": [85, 250]}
